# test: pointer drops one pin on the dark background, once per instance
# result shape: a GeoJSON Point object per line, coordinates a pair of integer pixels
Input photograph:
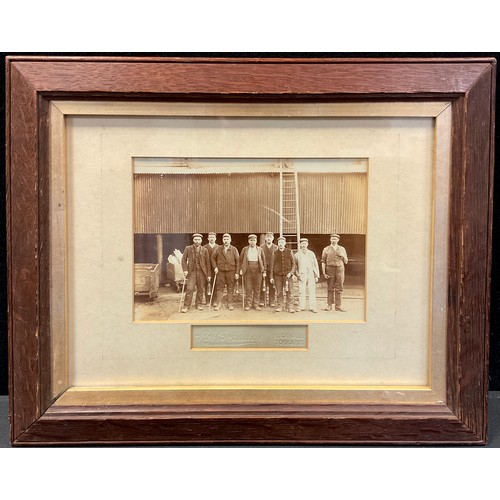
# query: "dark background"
{"type": "Point", "coordinates": [495, 271]}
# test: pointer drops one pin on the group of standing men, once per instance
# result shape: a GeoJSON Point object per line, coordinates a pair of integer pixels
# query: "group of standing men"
{"type": "Point", "coordinates": [268, 267]}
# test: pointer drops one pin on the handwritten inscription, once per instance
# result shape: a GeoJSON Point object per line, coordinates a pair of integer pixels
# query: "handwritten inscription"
{"type": "Point", "coordinates": [223, 337]}
{"type": "Point", "coordinates": [243, 337]}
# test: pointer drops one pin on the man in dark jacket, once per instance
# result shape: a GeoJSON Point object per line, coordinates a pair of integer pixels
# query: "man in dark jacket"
{"type": "Point", "coordinates": [269, 248]}
{"type": "Point", "coordinates": [211, 246]}
{"type": "Point", "coordinates": [196, 267]}
{"type": "Point", "coordinates": [226, 265]}
{"type": "Point", "coordinates": [282, 269]}
{"type": "Point", "coordinates": [253, 269]}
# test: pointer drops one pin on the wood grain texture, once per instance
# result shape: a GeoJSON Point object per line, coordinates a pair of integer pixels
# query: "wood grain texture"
{"type": "Point", "coordinates": [44, 218]}
{"type": "Point", "coordinates": [269, 424]}
{"type": "Point", "coordinates": [23, 269]}
{"type": "Point", "coordinates": [35, 81]}
{"type": "Point", "coordinates": [470, 255]}
{"type": "Point", "coordinates": [250, 79]}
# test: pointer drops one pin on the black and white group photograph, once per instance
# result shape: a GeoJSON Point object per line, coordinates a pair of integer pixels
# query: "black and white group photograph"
{"type": "Point", "coordinates": [250, 239]}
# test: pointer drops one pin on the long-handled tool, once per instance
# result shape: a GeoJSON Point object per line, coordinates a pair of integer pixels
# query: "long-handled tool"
{"type": "Point", "coordinates": [213, 292]}
{"type": "Point", "coordinates": [264, 290]}
{"type": "Point", "coordinates": [243, 290]}
{"type": "Point", "coordinates": [182, 294]}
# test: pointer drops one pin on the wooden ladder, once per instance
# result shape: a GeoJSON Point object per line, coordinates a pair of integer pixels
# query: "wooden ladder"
{"type": "Point", "coordinates": [289, 205]}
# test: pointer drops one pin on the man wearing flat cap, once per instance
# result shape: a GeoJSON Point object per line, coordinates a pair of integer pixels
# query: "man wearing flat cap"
{"type": "Point", "coordinates": [333, 261]}
{"type": "Point", "coordinates": [252, 269]}
{"type": "Point", "coordinates": [282, 269]}
{"type": "Point", "coordinates": [196, 267]}
{"type": "Point", "coordinates": [226, 265]}
{"type": "Point", "coordinates": [269, 248]}
{"type": "Point", "coordinates": [210, 246]}
{"type": "Point", "coordinates": [307, 271]}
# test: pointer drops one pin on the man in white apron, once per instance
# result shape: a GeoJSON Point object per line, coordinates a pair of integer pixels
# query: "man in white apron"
{"type": "Point", "coordinates": [307, 271]}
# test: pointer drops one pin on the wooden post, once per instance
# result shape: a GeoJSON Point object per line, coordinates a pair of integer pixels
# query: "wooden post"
{"type": "Point", "coordinates": [159, 256]}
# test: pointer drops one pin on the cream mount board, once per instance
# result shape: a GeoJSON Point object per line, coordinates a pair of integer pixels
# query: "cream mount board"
{"type": "Point", "coordinates": [409, 143]}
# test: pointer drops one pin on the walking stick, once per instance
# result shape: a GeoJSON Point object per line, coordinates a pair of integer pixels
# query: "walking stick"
{"type": "Point", "coordinates": [264, 291]}
{"type": "Point", "coordinates": [182, 294]}
{"type": "Point", "coordinates": [213, 290]}
{"type": "Point", "coordinates": [243, 290]}
{"type": "Point", "coordinates": [286, 295]}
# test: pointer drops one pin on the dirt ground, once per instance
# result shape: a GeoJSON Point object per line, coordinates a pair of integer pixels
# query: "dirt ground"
{"type": "Point", "coordinates": [166, 308]}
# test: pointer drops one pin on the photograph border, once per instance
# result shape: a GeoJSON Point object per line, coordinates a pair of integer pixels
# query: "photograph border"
{"type": "Point", "coordinates": [34, 82]}
{"type": "Point", "coordinates": [251, 317]}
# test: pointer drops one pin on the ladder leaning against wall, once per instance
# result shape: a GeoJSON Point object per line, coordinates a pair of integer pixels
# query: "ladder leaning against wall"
{"type": "Point", "coordinates": [289, 207]}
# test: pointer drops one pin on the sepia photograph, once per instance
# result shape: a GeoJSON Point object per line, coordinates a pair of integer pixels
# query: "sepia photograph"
{"type": "Point", "coordinates": [250, 239]}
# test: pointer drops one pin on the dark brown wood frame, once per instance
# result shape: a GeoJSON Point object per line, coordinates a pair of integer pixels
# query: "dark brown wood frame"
{"type": "Point", "coordinates": [32, 82]}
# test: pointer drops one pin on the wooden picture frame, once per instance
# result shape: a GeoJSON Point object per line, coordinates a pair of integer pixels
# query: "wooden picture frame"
{"type": "Point", "coordinates": [37, 415]}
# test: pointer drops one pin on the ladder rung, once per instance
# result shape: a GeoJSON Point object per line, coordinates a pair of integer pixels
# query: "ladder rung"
{"type": "Point", "coordinates": [289, 192]}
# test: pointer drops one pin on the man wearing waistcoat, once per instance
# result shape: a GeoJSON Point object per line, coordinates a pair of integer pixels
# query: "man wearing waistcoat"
{"type": "Point", "coordinates": [282, 269]}
{"type": "Point", "coordinates": [196, 267]}
{"type": "Point", "coordinates": [333, 261]}
{"type": "Point", "coordinates": [226, 265]}
{"type": "Point", "coordinates": [252, 269]}
{"type": "Point", "coordinates": [269, 248]}
{"type": "Point", "coordinates": [210, 246]}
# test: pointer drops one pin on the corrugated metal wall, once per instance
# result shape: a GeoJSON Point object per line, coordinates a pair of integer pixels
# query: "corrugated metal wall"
{"type": "Point", "coordinates": [188, 203]}
{"type": "Point", "coordinates": [332, 202]}
{"type": "Point", "coordinates": [243, 203]}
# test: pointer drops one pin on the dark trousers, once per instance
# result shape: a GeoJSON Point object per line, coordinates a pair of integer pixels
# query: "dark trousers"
{"type": "Point", "coordinates": [280, 282]}
{"type": "Point", "coordinates": [270, 287]}
{"type": "Point", "coordinates": [253, 283]}
{"type": "Point", "coordinates": [195, 280]}
{"type": "Point", "coordinates": [335, 284]}
{"type": "Point", "coordinates": [225, 278]}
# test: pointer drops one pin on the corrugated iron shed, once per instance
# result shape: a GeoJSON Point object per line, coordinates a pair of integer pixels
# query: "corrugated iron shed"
{"type": "Point", "coordinates": [243, 202]}
{"type": "Point", "coordinates": [177, 203]}
{"type": "Point", "coordinates": [329, 202]}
